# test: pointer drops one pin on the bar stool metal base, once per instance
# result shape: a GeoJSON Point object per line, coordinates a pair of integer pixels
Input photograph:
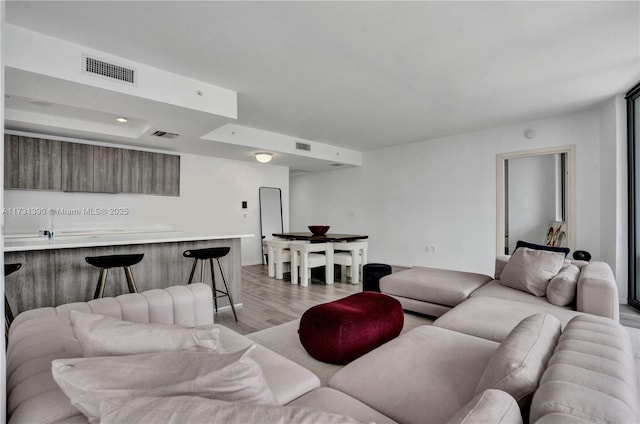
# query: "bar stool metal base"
{"type": "Point", "coordinates": [211, 254]}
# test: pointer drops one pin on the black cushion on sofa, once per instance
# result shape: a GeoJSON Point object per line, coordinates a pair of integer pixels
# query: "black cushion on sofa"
{"type": "Point", "coordinates": [534, 246]}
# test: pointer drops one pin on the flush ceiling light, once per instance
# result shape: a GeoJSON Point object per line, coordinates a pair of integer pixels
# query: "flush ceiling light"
{"type": "Point", "coordinates": [122, 119]}
{"type": "Point", "coordinates": [264, 157]}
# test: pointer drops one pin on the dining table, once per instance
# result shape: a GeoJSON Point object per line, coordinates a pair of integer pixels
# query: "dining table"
{"type": "Point", "coordinates": [329, 237]}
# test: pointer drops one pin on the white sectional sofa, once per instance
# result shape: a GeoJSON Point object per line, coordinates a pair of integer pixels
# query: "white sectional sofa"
{"type": "Point", "coordinates": [430, 374]}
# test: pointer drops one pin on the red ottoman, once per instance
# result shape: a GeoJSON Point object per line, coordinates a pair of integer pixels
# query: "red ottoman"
{"type": "Point", "coordinates": [339, 332]}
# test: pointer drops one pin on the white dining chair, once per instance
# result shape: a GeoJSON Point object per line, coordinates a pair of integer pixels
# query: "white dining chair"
{"type": "Point", "coordinates": [351, 256]}
{"type": "Point", "coordinates": [305, 256]}
{"type": "Point", "coordinates": [278, 255]}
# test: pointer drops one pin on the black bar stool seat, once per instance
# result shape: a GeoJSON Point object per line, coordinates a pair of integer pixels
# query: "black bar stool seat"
{"type": "Point", "coordinates": [8, 313]}
{"type": "Point", "coordinates": [114, 261]}
{"type": "Point", "coordinates": [210, 254]}
{"type": "Point", "coordinates": [11, 268]}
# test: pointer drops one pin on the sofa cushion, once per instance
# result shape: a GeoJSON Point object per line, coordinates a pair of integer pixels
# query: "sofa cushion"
{"type": "Point", "coordinates": [194, 409]}
{"type": "Point", "coordinates": [518, 363]}
{"type": "Point", "coordinates": [230, 377]}
{"type": "Point", "coordinates": [591, 375]}
{"type": "Point", "coordinates": [105, 336]}
{"type": "Point", "coordinates": [434, 285]}
{"type": "Point", "coordinates": [561, 290]}
{"type": "Point", "coordinates": [286, 379]}
{"type": "Point", "coordinates": [493, 318]}
{"type": "Point", "coordinates": [331, 400]}
{"type": "Point", "coordinates": [424, 376]}
{"type": "Point", "coordinates": [530, 270]}
{"type": "Point", "coordinates": [491, 406]}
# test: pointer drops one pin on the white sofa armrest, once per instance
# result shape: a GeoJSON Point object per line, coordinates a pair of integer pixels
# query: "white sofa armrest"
{"type": "Point", "coordinates": [597, 291]}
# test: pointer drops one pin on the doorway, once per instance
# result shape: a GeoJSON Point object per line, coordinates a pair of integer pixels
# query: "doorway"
{"type": "Point", "coordinates": [535, 188]}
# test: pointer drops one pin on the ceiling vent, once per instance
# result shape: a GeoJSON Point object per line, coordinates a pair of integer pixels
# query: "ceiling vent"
{"type": "Point", "coordinates": [109, 70]}
{"type": "Point", "coordinates": [165, 134]}
{"type": "Point", "coordinates": [303, 146]}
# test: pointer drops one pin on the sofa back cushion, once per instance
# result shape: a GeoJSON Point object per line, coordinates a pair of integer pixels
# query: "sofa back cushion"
{"type": "Point", "coordinates": [530, 270]}
{"type": "Point", "coordinates": [591, 376]}
{"type": "Point", "coordinates": [518, 363]}
{"type": "Point", "coordinates": [491, 406]}
{"type": "Point", "coordinates": [561, 290]}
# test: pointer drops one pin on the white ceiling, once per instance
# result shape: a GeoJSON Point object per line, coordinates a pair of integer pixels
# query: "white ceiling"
{"type": "Point", "coordinates": [359, 75]}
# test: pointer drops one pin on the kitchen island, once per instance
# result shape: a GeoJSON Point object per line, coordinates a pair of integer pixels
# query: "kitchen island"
{"type": "Point", "coordinates": [54, 271]}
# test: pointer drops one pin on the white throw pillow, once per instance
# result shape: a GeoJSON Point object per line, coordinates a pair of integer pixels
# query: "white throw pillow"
{"type": "Point", "coordinates": [105, 336]}
{"type": "Point", "coordinates": [518, 363]}
{"type": "Point", "coordinates": [562, 288]}
{"type": "Point", "coordinates": [231, 377]}
{"type": "Point", "coordinates": [530, 270]}
{"type": "Point", "coordinates": [491, 406]}
{"type": "Point", "coordinates": [192, 409]}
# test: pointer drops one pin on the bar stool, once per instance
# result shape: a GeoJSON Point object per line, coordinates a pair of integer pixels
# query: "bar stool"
{"type": "Point", "coordinates": [211, 254]}
{"type": "Point", "coordinates": [8, 314]}
{"type": "Point", "coordinates": [114, 261]}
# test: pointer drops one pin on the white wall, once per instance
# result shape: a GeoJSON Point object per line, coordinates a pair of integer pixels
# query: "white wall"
{"type": "Point", "coordinates": [210, 202]}
{"type": "Point", "coordinates": [442, 192]}
{"type": "Point", "coordinates": [532, 198]}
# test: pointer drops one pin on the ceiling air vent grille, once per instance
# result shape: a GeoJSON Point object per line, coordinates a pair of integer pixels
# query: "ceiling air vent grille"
{"type": "Point", "coordinates": [165, 134]}
{"type": "Point", "coordinates": [303, 146]}
{"type": "Point", "coordinates": [109, 70]}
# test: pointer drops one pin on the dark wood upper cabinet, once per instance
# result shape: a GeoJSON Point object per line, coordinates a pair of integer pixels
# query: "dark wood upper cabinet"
{"type": "Point", "coordinates": [165, 174]}
{"type": "Point", "coordinates": [150, 173]}
{"type": "Point", "coordinates": [41, 164]}
{"type": "Point", "coordinates": [77, 167]}
{"type": "Point", "coordinates": [107, 170]}
{"type": "Point", "coordinates": [32, 163]}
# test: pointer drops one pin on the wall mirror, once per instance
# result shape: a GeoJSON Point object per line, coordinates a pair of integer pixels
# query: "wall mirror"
{"type": "Point", "coordinates": [270, 213]}
{"type": "Point", "coordinates": [535, 189]}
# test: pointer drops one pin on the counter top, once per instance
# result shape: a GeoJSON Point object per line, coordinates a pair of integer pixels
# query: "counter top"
{"type": "Point", "coordinates": [21, 244]}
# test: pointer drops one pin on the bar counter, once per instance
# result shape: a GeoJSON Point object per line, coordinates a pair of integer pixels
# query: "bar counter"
{"type": "Point", "coordinates": [54, 271]}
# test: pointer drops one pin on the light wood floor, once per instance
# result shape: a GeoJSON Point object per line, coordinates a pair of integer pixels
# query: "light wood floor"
{"type": "Point", "coordinates": [268, 302]}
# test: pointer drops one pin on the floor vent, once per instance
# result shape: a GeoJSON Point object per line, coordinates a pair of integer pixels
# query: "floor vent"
{"type": "Point", "coordinates": [109, 70]}
{"type": "Point", "coordinates": [165, 134]}
{"type": "Point", "coordinates": [303, 146]}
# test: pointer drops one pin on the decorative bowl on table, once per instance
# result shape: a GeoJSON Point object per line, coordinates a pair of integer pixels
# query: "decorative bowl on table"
{"type": "Point", "coordinates": [319, 230]}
